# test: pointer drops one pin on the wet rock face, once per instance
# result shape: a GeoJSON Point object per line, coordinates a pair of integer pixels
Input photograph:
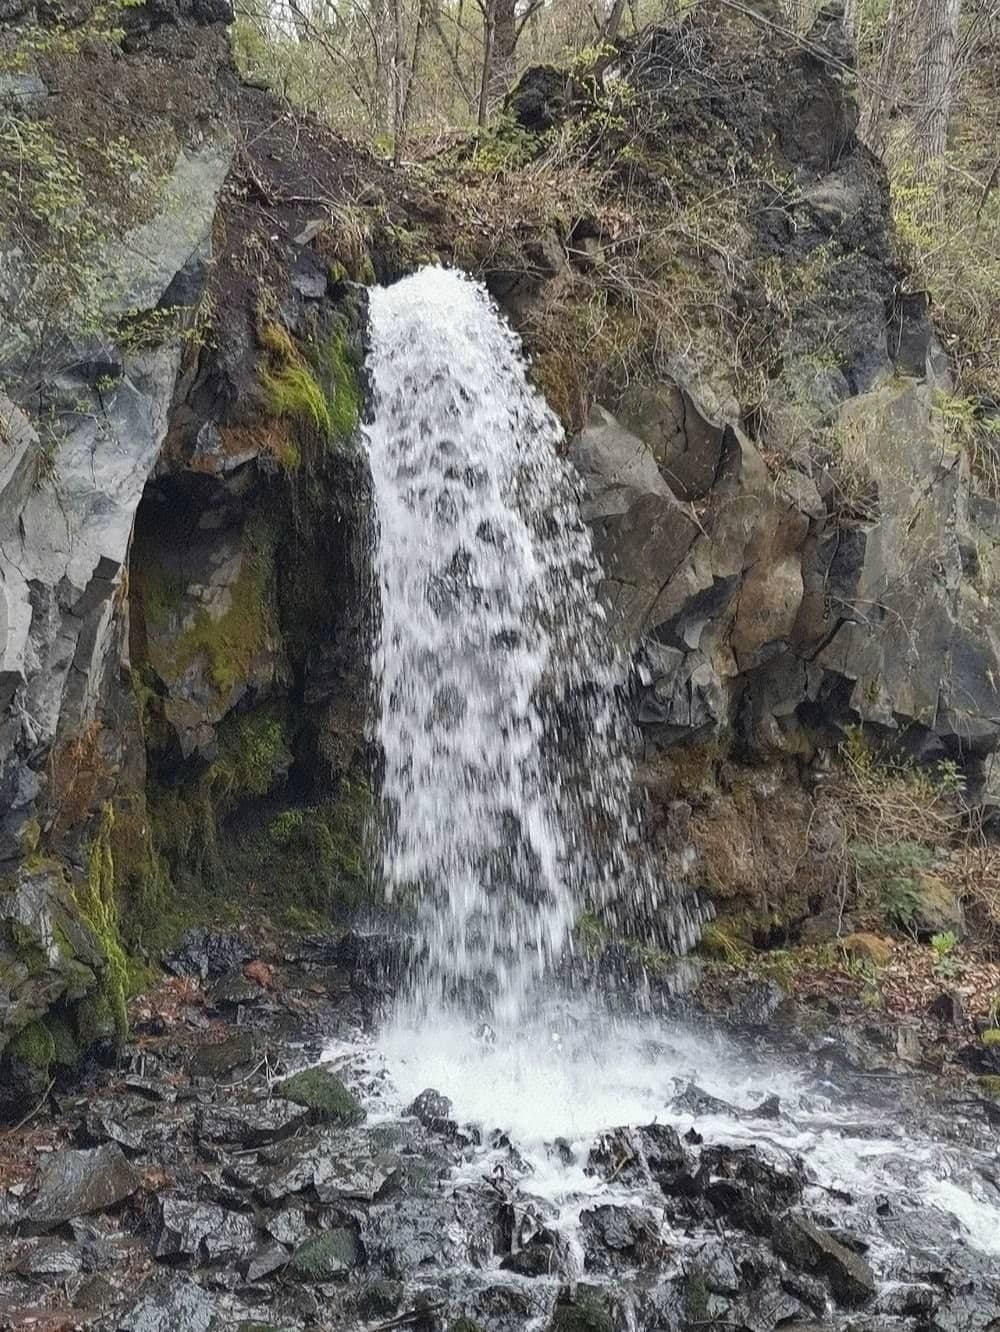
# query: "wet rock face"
{"type": "Point", "coordinates": [77, 1183]}
{"type": "Point", "coordinates": [215, 1203]}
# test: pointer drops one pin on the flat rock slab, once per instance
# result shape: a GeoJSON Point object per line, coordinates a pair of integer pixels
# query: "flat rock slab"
{"type": "Point", "coordinates": [804, 1245]}
{"type": "Point", "coordinates": [203, 1230]}
{"type": "Point", "coordinates": [77, 1183]}
{"type": "Point", "coordinates": [171, 1305]}
{"type": "Point", "coordinates": [332, 1254]}
{"type": "Point", "coordinates": [251, 1125]}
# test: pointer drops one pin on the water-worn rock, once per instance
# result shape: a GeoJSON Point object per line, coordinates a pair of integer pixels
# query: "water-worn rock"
{"type": "Point", "coordinates": [804, 1245]}
{"type": "Point", "coordinates": [614, 1234]}
{"type": "Point", "coordinates": [76, 1183]}
{"type": "Point", "coordinates": [50, 1258]}
{"type": "Point", "coordinates": [170, 1304]}
{"type": "Point", "coordinates": [250, 1125]}
{"type": "Point", "coordinates": [336, 1167]}
{"type": "Point", "coordinates": [323, 1095]}
{"type": "Point", "coordinates": [203, 1231]}
{"type": "Point", "coordinates": [333, 1254]}
{"type": "Point", "coordinates": [48, 955]}
{"type": "Point", "coordinates": [433, 1110]}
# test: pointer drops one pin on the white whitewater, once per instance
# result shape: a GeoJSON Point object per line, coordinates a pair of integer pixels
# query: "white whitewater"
{"type": "Point", "coordinates": [505, 803]}
{"type": "Point", "coordinates": [505, 748]}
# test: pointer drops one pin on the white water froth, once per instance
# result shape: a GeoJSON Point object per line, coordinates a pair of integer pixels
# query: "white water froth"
{"type": "Point", "coordinates": [504, 750]}
{"type": "Point", "coordinates": [578, 1072]}
{"type": "Point", "coordinates": [504, 745]}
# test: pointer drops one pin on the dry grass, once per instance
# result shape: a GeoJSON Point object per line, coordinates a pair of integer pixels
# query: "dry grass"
{"type": "Point", "coordinates": [79, 776]}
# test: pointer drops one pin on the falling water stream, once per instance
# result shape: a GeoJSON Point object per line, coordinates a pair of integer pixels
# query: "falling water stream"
{"type": "Point", "coordinates": [505, 809]}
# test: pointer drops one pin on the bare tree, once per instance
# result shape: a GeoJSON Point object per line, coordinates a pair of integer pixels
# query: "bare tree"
{"type": "Point", "coordinates": [936, 68]}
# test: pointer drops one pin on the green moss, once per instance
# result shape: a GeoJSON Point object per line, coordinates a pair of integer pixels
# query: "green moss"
{"type": "Point", "coordinates": [328, 1256]}
{"type": "Point", "coordinates": [253, 752]}
{"type": "Point", "coordinates": [323, 1093]}
{"type": "Point", "coordinates": [65, 1050]}
{"type": "Point", "coordinates": [233, 641]}
{"type": "Point", "coordinates": [95, 1020]}
{"type": "Point", "coordinates": [340, 371]}
{"type": "Point", "coordinates": [97, 901]}
{"type": "Point", "coordinates": [294, 392]}
{"type": "Point", "coordinates": [162, 592]}
{"type": "Point", "coordinates": [465, 1325]}
{"type": "Point", "coordinates": [586, 1312]}
{"type": "Point", "coordinates": [992, 1036]}
{"type": "Point", "coordinates": [990, 1085]}
{"type": "Point", "coordinates": [284, 827]}
{"type": "Point", "coordinates": [34, 1045]}
{"type": "Point", "coordinates": [722, 943]}
{"type": "Point", "coordinates": [319, 392]}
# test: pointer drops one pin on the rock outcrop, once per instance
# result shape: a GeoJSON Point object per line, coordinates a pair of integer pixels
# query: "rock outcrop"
{"type": "Point", "coordinates": [794, 539]}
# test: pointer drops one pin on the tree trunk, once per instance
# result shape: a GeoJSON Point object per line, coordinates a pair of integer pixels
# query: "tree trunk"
{"type": "Point", "coordinates": [614, 21]}
{"type": "Point", "coordinates": [874, 122]}
{"type": "Point", "coordinates": [411, 75]}
{"type": "Point", "coordinates": [936, 77]}
{"type": "Point", "coordinates": [489, 28]}
{"type": "Point", "coordinates": [505, 35]}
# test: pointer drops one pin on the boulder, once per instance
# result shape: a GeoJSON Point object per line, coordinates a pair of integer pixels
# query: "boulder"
{"type": "Point", "coordinates": [806, 1247]}
{"type": "Point", "coordinates": [323, 1094]}
{"type": "Point", "coordinates": [170, 1304]}
{"type": "Point", "coordinates": [326, 1257]}
{"type": "Point", "coordinates": [75, 1183]}
{"type": "Point", "coordinates": [250, 1125]}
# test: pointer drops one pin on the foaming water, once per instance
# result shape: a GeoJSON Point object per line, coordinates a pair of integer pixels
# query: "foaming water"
{"type": "Point", "coordinates": [505, 794]}
{"type": "Point", "coordinates": [505, 809]}
{"type": "Point", "coordinates": [579, 1072]}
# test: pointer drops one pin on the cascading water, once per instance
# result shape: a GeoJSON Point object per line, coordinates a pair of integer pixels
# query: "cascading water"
{"type": "Point", "coordinates": [505, 810]}
{"type": "Point", "coordinates": [507, 776]}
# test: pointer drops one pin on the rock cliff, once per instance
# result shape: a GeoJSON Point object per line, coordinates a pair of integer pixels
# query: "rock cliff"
{"type": "Point", "coordinates": [794, 539]}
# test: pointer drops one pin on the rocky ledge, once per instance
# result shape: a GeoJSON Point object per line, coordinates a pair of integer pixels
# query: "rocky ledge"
{"type": "Point", "coordinates": [205, 1183]}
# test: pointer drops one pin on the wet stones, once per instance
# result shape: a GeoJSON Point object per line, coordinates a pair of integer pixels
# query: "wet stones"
{"type": "Point", "coordinates": [323, 1094]}
{"type": "Point", "coordinates": [203, 1231]}
{"type": "Point", "coordinates": [804, 1246]}
{"type": "Point", "coordinates": [75, 1183]}
{"type": "Point", "coordinates": [433, 1111]}
{"type": "Point", "coordinates": [533, 1261]}
{"type": "Point", "coordinates": [327, 1257]}
{"type": "Point", "coordinates": [334, 1167]}
{"type": "Point", "coordinates": [585, 1310]}
{"type": "Point", "coordinates": [251, 1125]}
{"type": "Point", "coordinates": [170, 1304]}
{"type": "Point", "coordinates": [614, 1235]}
{"type": "Point", "coordinates": [746, 1189]}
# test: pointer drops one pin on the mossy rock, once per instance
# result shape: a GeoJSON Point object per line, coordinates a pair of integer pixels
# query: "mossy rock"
{"type": "Point", "coordinates": [332, 1254]}
{"type": "Point", "coordinates": [324, 1095]}
{"type": "Point", "coordinates": [586, 1312]}
{"type": "Point", "coordinates": [990, 1086]}
{"type": "Point", "coordinates": [991, 1037]}
{"type": "Point", "coordinates": [34, 1046]}
{"type": "Point", "coordinates": [465, 1325]}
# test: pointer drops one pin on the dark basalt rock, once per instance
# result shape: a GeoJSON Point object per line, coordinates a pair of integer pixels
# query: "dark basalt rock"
{"type": "Point", "coordinates": [534, 1261]}
{"type": "Point", "coordinates": [76, 1183]}
{"type": "Point", "coordinates": [805, 1246]}
{"type": "Point", "coordinates": [328, 1256]}
{"type": "Point", "coordinates": [203, 1231]}
{"type": "Point", "coordinates": [250, 1125]}
{"type": "Point", "coordinates": [434, 1111]}
{"type": "Point", "coordinates": [170, 1304]}
{"type": "Point", "coordinates": [615, 1234]}
{"type": "Point", "coordinates": [208, 953]}
{"type": "Point", "coordinates": [585, 1310]}
{"type": "Point", "coordinates": [323, 1095]}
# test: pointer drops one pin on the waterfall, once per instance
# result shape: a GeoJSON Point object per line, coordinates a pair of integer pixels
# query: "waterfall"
{"type": "Point", "coordinates": [506, 788]}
